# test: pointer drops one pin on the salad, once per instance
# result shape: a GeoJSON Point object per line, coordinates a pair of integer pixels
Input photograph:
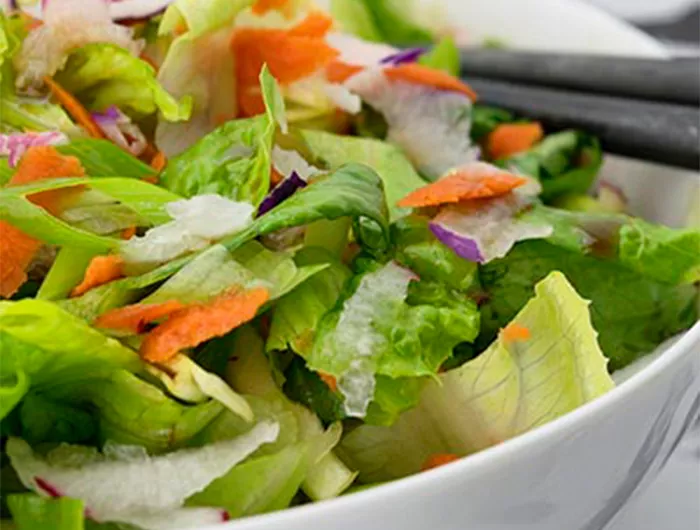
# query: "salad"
{"type": "Point", "coordinates": [254, 255]}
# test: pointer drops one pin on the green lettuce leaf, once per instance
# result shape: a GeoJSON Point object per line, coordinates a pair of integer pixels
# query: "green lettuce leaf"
{"type": "Point", "coordinates": [199, 64]}
{"type": "Point", "coordinates": [54, 350]}
{"type": "Point", "coordinates": [419, 250]}
{"type": "Point", "coordinates": [66, 272]}
{"type": "Point", "coordinates": [32, 512]}
{"type": "Point", "coordinates": [632, 314]}
{"type": "Point", "coordinates": [146, 200]}
{"type": "Point", "coordinates": [565, 162]}
{"type": "Point", "coordinates": [235, 159]}
{"type": "Point", "coordinates": [397, 173]}
{"type": "Point", "coordinates": [101, 75]}
{"type": "Point", "coordinates": [296, 315]}
{"type": "Point", "coordinates": [44, 420]}
{"type": "Point", "coordinates": [354, 191]}
{"type": "Point", "coordinates": [443, 56]}
{"type": "Point", "coordinates": [306, 387]}
{"type": "Point", "coordinates": [102, 158]}
{"type": "Point", "coordinates": [388, 325]}
{"type": "Point", "coordinates": [380, 20]}
{"type": "Point", "coordinates": [513, 387]}
{"type": "Point", "coordinates": [661, 253]}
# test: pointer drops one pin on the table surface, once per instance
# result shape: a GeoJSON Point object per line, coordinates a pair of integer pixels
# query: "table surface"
{"type": "Point", "coordinates": [672, 501]}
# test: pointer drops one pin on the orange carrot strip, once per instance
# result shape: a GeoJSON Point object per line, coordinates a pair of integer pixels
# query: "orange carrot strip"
{"type": "Point", "coordinates": [475, 181]}
{"type": "Point", "coordinates": [330, 381]}
{"type": "Point", "coordinates": [438, 460]}
{"type": "Point", "coordinates": [260, 7]}
{"type": "Point", "coordinates": [101, 270]}
{"type": "Point", "coordinates": [275, 176]}
{"type": "Point", "coordinates": [73, 107]}
{"type": "Point", "coordinates": [17, 251]}
{"type": "Point", "coordinates": [158, 162]}
{"type": "Point", "coordinates": [305, 52]}
{"type": "Point", "coordinates": [198, 323]}
{"type": "Point", "coordinates": [135, 317]}
{"type": "Point", "coordinates": [128, 233]}
{"type": "Point", "coordinates": [44, 162]}
{"type": "Point", "coordinates": [339, 72]}
{"type": "Point", "coordinates": [515, 333]}
{"type": "Point", "coordinates": [511, 138]}
{"type": "Point", "coordinates": [315, 25]}
{"type": "Point", "coordinates": [423, 75]}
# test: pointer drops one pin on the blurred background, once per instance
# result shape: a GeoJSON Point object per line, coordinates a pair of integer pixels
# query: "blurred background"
{"type": "Point", "coordinates": [675, 22]}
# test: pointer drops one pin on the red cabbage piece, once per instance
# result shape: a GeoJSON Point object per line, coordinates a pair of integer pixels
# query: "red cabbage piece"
{"type": "Point", "coordinates": [409, 55]}
{"type": "Point", "coordinates": [14, 146]}
{"type": "Point", "coordinates": [282, 192]}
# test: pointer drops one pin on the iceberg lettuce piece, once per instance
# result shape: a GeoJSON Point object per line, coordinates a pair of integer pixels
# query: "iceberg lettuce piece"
{"type": "Point", "coordinates": [550, 365]}
{"type": "Point", "coordinates": [102, 75]}
{"type": "Point", "coordinates": [32, 512]}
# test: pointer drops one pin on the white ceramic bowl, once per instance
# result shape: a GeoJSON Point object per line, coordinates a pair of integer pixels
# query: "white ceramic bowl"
{"type": "Point", "coordinates": [575, 473]}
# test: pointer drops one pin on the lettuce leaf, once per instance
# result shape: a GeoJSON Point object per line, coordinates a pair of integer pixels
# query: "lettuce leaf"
{"type": "Point", "coordinates": [397, 173]}
{"type": "Point", "coordinates": [199, 64]}
{"type": "Point", "coordinates": [565, 162]}
{"type": "Point", "coordinates": [235, 159]}
{"type": "Point", "coordinates": [32, 512]}
{"type": "Point", "coordinates": [353, 190]}
{"type": "Point", "coordinates": [389, 325]}
{"type": "Point", "coordinates": [443, 56]}
{"type": "Point", "coordinates": [101, 75]}
{"type": "Point", "coordinates": [102, 158]}
{"type": "Point", "coordinates": [296, 315]}
{"type": "Point", "coordinates": [632, 313]}
{"type": "Point", "coordinates": [54, 350]}
{"type": "Point", "coordinates": [145, 199]}
{"type": "Point", "coordinates": [485, 119]}
{"type": "Point", "coordinates": [661, 253]}
{"type": "Point", "coordinates": [380, 21]}
{"type": "Point", "coordinates": [513, 387]}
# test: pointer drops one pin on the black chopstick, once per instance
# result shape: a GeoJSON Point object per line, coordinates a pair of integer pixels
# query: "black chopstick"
{"type": "Point", "coordinates": [674, 81]}
{"type": "Point", "coordinates": [654, 131]}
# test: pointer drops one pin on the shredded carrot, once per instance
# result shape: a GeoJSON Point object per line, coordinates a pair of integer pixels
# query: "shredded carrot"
{"type": "Point", "coordinates": [438, 460]}
{"type": "Point", "coordinates": [316, 25]}
{"type": "Point", "coordinates": [128, 233]}
{"type": "Point", "coordinates": [275, 176]}
{"type": "Point", "coordinates": [305, 52]}
{"type": "Point", "coordinates": [135, 317]}
{"type": "Point", "coordinates": [423, 75]}
{"type": "Point", "coordinates": [260, 7]}
{"type": "Point", "coordinates": [198, 323]}
{"type": "Point", "coordinates": [515, 333]}
{"type": "Point", "coordinates": [474, 181]}
{"type": "Point", "coordinates": [159, 161]}
{"type": "Point", "coordinates": [511, 138]}
{"type": "Point", "coordinates": [101, 270]}
{"type": "Point", "coordinates": [339, 72]}
{"type": "Point", "coordinates": [146, 59]}
{"type": "Point", "coordinates": [329, 380]}
{"type": "Point", "coordinates": [73, 107]}
{"type": "Point", "coordinates": [45, 162]}
{"type": "Point", "coordinates": [17, 249]}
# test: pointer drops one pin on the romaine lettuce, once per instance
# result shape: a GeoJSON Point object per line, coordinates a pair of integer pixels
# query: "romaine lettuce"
{"type": "Point", "coordinates": [101, 75]}
{"type": "Point", "coordinates": [552, 367]}
{"type": "Point", "coordinates": [632, 313]}
{"type": "Point", "coordinates": [32, 512]}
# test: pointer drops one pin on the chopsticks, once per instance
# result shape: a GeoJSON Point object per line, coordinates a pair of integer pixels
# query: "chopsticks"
{"type": "Point", "coordinates": [643, 109]}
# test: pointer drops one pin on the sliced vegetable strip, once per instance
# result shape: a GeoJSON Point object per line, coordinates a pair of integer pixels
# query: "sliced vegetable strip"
{"type": "Point", "coordinates": [102, 269]}
{"type": "Point", "coordinates": [423, 75]}
{"type": "Point", "coordinates": [511, 138]}
{"type": "Point", "coordinates": [514, 333]}
{"type": "Point", "coordinates": [260, 7]}
{"type": "Point", "coordinates": [305, 52]}
{"type": "Point", "coordinates": [473, 181]}
{"type": "Point", "coordinates": [438, 460]}
{"type": "Point", "coordinates": [199, 323]}
{"type": "Point", "coordinates": [73, 107]}
{"type": "Point", "coordinates": [135, 317]}
{"type": "Point", "coordinates": [17, 249]}
{"type": "Point", "coordinates": [339, 72]}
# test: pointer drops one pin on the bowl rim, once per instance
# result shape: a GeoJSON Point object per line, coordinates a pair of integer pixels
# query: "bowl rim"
{"type": "Point", "coordinates": [687, 345]}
